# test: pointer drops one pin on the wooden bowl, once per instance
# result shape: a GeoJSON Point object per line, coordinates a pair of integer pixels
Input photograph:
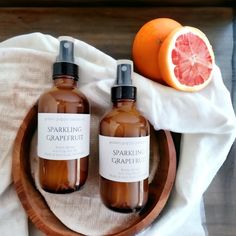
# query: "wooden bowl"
{"type": "Point", "coordinates": [38, 210]}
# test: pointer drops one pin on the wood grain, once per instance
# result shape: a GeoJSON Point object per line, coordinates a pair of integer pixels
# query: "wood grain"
{"type": "Point", "coordinates": [37, 208]}
{"type": "Point", "coordinates": [112, 30]}
{"type": "Point", "coordinates": [220, 199]}
{"type": "Point", "coordinates": [113, 3]}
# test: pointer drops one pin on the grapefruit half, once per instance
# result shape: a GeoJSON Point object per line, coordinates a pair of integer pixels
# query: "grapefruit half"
{"type": "Point", "coordinates": [186, 59]}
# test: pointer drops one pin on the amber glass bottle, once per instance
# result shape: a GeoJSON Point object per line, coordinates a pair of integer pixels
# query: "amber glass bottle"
{"type": "Point", "coordinates": [63, 128]}
{"type": "Point", "coordinates": [124, 148]}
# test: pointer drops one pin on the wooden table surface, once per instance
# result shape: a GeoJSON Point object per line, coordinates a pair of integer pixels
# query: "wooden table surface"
{"type": "Point", "coordinates": [112, 30]}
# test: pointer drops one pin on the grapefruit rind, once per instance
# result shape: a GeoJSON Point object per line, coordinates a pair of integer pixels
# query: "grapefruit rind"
{"type": "Point", "coordinates": [146, 45]}
{"type": "Point", "coordinates": [165, 59]}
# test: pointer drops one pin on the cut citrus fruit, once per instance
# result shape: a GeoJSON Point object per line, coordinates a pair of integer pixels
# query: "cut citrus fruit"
{"type": "Point", "coordinates": [147, 43]}
{"type": "Point", "coordinates": [186, 59]}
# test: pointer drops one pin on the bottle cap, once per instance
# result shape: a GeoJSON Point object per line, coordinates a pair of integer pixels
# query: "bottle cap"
{"type": "Point", "coordinates": [123, 88]}
{"type": "Point", "coordinates": [64, 64]}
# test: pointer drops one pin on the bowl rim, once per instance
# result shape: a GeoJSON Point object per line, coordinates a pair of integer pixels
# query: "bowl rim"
{"type": "Point", "coordinates": [35, 205]}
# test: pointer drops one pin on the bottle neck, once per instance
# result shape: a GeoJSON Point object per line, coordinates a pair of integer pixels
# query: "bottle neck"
{"type": "Point", "coordinates": [124, 103]}
{"type": "Point", "coordinates": [65, 81]}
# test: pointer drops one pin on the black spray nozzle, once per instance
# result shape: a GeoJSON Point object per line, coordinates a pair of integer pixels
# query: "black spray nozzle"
{"type": "Point", "coordinates": [124, 72]}
{"type": "Point", "coordinates": [66, 51]}
{"type": "Point", "coordinates": [64, 65]}
{"type": "Point", "coordinates": [123, 88]}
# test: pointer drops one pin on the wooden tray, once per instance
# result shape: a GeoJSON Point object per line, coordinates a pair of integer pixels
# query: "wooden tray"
{"type": "Point", "coordinates": [39, 212]}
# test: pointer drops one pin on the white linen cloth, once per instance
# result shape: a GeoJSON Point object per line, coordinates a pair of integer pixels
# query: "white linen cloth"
{"type": "Point", "coordinates": [205, 118]}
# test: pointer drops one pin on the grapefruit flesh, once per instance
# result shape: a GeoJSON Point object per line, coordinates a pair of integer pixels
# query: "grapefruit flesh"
{"type": "Point", "coordinates": [186, 59]}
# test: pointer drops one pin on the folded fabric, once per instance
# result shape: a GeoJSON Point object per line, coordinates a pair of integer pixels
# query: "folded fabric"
{"type": "Point", "coordinates": [206, 119]}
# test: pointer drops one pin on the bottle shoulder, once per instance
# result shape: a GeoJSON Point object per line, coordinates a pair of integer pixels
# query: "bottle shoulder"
{"type": "Point", "coordinates": [56, 97]}
{"type": "Point", "coordinates": [124, 115]}
{"type": "Point", "coordinates": [63, 94]}
{"type": "Point", "coordinates": [121, 123]}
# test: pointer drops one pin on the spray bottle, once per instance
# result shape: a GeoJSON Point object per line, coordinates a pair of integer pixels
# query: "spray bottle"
{"type": "Point", "coordinates": [124, 147]}
{"type": "Point", "coordinates": [63, 127]}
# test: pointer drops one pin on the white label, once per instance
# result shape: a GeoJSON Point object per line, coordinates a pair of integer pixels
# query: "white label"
{"type": "Point", "coordinates": [124, 159]}
{"type": "Point", "coordinates": [63, 136]}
